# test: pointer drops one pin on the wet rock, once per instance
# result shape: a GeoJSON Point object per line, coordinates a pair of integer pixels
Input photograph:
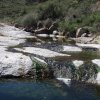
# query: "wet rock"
{"type": "Point", "coordinates": [41, 52]}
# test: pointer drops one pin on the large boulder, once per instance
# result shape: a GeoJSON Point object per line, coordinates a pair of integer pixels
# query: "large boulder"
{"type": "Point", "coordinates": [19, 65]}
{"type": "Point", "coordinates": [14, 64]}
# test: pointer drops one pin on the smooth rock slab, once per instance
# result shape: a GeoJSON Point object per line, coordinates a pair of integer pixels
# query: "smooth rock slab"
{"type": "Point", "coordinates": [11, 31]}
{"type": "Point", "coordinates": [96, 46]}
{"type": "Point", "coordinates": [10, 41]}
{"type": "Point", "coordinates": [14, 64]}
{"type": "Point", "coordinates": [71, 49]}
{"type": "Point", "coordinates": [41, 52]}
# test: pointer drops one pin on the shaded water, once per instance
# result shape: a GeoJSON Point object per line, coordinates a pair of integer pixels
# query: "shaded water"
{"type": "Point", "coordinates": [47, 90]}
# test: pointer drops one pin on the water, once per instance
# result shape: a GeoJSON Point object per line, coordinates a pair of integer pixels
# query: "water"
{"type": "Point", "coordinates": [47, 90]}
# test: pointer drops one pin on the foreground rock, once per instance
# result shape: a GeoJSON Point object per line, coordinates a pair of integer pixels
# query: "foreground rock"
{"type": "Point", "coordinates": [41, 52]}
{"type": "Point", "coordinates": [19, 65]}
{"type": "Point", "coordinates": [14, 64]}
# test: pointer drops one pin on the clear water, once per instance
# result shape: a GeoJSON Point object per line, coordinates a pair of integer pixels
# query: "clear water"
{"type": "Point", "coordinates": [47, 90]}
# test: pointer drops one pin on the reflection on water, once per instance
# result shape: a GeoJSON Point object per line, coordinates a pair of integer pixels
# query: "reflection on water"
{"type": "Point", "coordinates": [47, 90]}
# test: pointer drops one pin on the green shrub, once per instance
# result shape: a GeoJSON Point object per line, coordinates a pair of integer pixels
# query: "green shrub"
{"type": "Point", "coordinates": [29, 20]}
{"type": "Point", "coordinates": [50, 10]}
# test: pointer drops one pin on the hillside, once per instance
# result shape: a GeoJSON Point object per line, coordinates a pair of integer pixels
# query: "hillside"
{"type": "Point", "coordinates": [68, 13]}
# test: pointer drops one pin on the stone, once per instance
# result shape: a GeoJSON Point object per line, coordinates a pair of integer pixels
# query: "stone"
{"type": "Point", "coordinates": [14, 64]}
{"type": "Point", "coordinates": [98, 78]}
{"type": "Point", "coordinates": [41, 52]}
{"type": "Point", "coordinates": [55, 32]}
{"type": "Point", "coordinates": [72, 49]}
{"type": "Point", "coordinates": [96, 46]}
{"type": "Point", "coordinates": [40, 61]}
{"type": "Point", "coordinates": [67, 81]}
{"type": "Point", "coordinates": [10, 41]}
{"type": "Point", "coordinates": [78, 63]}
{"type": "Point", "coordinates": [11, 31]}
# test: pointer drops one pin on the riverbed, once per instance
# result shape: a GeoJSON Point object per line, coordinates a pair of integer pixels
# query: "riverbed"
{"type": "Point", "coordinates": [75, 67]}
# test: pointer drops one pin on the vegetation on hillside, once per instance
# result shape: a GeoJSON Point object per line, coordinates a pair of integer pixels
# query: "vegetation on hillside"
{"type": "Point", "coordinates": [69, 14]}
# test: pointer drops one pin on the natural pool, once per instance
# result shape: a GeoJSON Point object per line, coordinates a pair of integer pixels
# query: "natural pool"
{"type": "Point", "coordinates": [47, 90]}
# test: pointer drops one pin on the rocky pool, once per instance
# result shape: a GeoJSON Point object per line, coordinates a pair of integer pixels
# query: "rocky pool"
{"type": "Point", "coordinates": [53, 68]}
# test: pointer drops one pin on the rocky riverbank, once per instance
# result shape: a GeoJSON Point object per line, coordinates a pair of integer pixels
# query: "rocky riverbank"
{"type": "Point", "coordinates": [47, 56]}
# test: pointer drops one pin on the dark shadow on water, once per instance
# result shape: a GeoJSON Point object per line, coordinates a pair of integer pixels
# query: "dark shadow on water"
{"type": "Point", "coordinates": [46, 90]}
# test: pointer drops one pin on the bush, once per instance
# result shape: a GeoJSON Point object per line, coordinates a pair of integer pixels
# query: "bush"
{"type": "Point", "coordinates": [29, 20]}
{"type": "Point", "coordinates": [50, 10]}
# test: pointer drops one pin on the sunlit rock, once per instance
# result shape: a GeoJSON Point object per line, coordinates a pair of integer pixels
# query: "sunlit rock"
{"type": "Point", "coordinates": [66, 81]}
{"type": "Point", "coordinates": [78, 63]}
{"type": "Point", "coordinates": [96, 61]}
{"type": "Point", "coordinates": [71, 49]}
{"type": "Point", "coordinates": [11, 31]}
{"type": "Point", "coordinates": [10, 41]}
{"type": "Point", "coordinates": [41, 52]}
{"type": "Point", "coordinates": [95, 46]}
{"type": "Point", "coordinates": [98, 78]}
{"type": "Point", "coordinates": [14, 64]}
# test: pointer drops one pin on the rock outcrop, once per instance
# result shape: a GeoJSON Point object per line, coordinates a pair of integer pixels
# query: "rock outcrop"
{"type": "Point", "coordinates": [14, 64]}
